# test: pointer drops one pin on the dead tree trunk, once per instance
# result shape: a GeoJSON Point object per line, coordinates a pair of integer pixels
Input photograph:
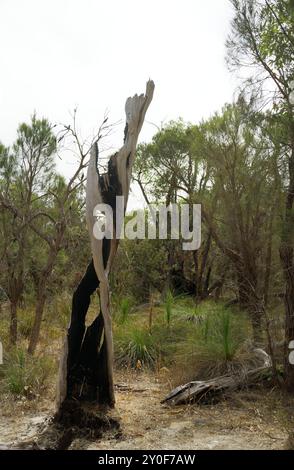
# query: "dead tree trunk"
{"type": "Point", "coordinates": [86, 368]}
{"type": "Point", "coordinates": [209, 390]}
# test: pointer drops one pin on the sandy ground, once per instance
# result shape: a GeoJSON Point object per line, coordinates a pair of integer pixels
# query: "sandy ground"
{"type": "Point", "coordinates": [244, 421]}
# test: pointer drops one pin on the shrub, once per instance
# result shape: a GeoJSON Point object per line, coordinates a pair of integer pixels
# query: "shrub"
{"type": "Point", "coordinates": [4, 329]}
{"type": "Point", "coordinates": [60, 310]}
{"type": "Point", "coordinates": [135, 346]}
{"type": "Point", "coordinates": [211, 347]}
{"type": "Point", "coordinates": [222, 335]}
{"type": "Point", "coordinates": [124, 309]}
{"type": "Point", "coordinates": [24, 375]}
{"type": "Point", "coordinates": [168, 304]}
{"type": "Point", "coordinates": [26, 321]}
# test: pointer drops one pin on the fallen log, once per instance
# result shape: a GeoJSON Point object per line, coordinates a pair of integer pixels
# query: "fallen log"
{"type": "Point", "coordinates": [204, 390]}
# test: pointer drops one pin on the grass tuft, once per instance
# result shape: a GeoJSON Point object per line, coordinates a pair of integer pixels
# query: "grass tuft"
{"type": "Point", "coordinates": [24, 375]}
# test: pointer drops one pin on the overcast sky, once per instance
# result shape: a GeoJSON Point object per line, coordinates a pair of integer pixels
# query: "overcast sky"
{"type": "Point", "coordinates": [93, 54]}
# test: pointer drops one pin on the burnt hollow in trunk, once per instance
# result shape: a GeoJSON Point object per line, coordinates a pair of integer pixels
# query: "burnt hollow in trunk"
{"type": "Point", "coordinates": [86, 366]}
{"type": "Point", "coordinates": [87, 378]}
{"type": "Point", "coordinates": [86, 361]}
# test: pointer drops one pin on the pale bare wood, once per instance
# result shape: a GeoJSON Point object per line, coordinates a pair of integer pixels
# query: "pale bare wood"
{"type": "Point", "coordinates": [197, 390]}
{"type": "Point", "coordinates": [135, 108]}
{"type": "Point", "coordinates": [61, 387]}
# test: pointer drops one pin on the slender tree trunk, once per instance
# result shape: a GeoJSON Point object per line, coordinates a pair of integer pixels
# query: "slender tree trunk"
{"type": "Point", "coordinates": [196, 274]}
{"type": "Point", "coordinates": [35, 333]}
{"type": "Point", "coordinates": [150, 317]}
{"type": "Point", "coordinates": [13, 322]}
{"type": "Point", "coordinates": [249, 299]}
{"type": "Point", "coordinates": [170, 264]}
{"type": "Point", "coordinates": [203, 289]}
{"type": "Point", "coordinates": [15, 291]}
{"type": "Point", "coordinates": [286, 254]}
{"type": "Point", "coordinates": [268, 260]}
{"type": "Point", "coordinates": [242, 291]}
{"type": "Point", "coordinates": [287, 260]}
{"type": "Point", "coordinates": [44, 280]}
{"type": "Point", "coordinates": [256, 322]}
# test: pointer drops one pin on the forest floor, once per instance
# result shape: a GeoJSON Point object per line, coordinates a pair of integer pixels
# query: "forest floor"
{"type": "Point", "coordinates": [245, 420]}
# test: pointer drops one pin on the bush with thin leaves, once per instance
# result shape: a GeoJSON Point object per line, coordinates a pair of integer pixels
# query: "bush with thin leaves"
{"type": "Point", "coordinates": [26, 320]}
{"type": "Point", "coordinates": [60, 311]}
{"type": "Point", "coordinates": [24, 375]}
{"type": "Point", "coordinates": [135, 346]}
{"type": "Point", "coordinates": [168, 304]}
{"type": "Point", "coordinates": [211, 347]}
{"type": "Point", "coordinates": [124, 309]}
{"type": "Point", "coordinates": [221, 335]}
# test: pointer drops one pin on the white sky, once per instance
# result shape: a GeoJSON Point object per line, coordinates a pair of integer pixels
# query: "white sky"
{"type": "Point", "coordinates": [93, 54]}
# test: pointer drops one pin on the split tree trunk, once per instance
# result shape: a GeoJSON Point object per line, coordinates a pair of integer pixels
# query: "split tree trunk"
{"type": "Point", "coordinates": [86, 368]}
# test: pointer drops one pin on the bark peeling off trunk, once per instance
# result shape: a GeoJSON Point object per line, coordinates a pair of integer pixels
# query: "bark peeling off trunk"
{"type": "Point", "coordinates": [86, 366]}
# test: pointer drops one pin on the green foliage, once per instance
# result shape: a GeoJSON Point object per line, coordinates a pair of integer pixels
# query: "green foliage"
{"type": "Point", "coordinates": [124, 309]}
{"type": "Point", "coordinates": [209, 343]}
{"type": "Point", "coordinates": [24, 375]}
{"type": "Point", "coordinates": [235, 164]}
{"type": "Point", "coordinates": [168, 304]}
{"type": "Point", "coordinates": [4, 328]}
{"type": "Point", "coordinates": [135, 347]}
{"type": "Point", "coordinates": [173, 153]}
{"type": "Point", "coordinates": [139, 267]}
{"type": "Point", "coordinates": [60, 310]}
{"type": "Point", "coordinates": [219, 337]}
{"type": "Point", "coordinates": [26, 321]}
{"type": "Point", "coordinates": [213, 347]}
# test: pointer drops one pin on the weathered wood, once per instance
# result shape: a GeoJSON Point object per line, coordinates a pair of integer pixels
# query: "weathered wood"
{"type": "Point", "coordinates": [86, 368]}
{"type": "Point", "coordinates": [200, 390]}
{"type": "Point", "coordinates": [104, 189]}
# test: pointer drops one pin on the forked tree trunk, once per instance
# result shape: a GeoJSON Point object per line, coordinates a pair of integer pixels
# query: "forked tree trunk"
{"type": "Point", "coordinates": [86, 368]}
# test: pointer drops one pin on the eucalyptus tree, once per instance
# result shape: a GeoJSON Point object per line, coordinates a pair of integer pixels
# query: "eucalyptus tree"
{"type": "Point", "coordinates": [262, 39]}
{"type": "Point", "coordinates": [244, 185]}
{"type": "Point", "coordinates": [171, 169]}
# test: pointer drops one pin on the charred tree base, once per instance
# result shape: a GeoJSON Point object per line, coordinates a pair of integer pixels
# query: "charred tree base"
{"type": "Point", "coordinates": [84, 368]}
{"type": "Point", "coordinates": [87, 417]}
{"type": "Point", "coordinates": [87, 378]}
{"type": "Point", "coordinates": [74, 421]}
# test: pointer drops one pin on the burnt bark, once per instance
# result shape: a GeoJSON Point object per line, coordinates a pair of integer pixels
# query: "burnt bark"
{"type": "Point", "coordinates": [86, 367]}
{"type": "Point", "coordinates": [87, 352]}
